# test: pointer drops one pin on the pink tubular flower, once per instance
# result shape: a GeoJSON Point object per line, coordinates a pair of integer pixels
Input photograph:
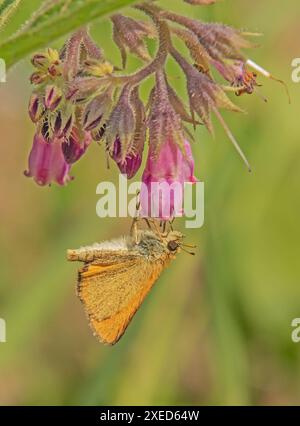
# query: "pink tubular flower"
{"type": "Point", "coordinates": [47, 163]}
{"type": "Point", "coordinates": [163, 181]}
{"type": "Point", "coordinates": [130, 161]}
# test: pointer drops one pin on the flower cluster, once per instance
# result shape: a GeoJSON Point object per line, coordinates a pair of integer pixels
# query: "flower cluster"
{"type": "Point", "coordinates": [80, 97]}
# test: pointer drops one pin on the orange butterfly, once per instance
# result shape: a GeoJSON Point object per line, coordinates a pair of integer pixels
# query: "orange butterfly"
{"type": "Point", "coordinates": [117, 276]}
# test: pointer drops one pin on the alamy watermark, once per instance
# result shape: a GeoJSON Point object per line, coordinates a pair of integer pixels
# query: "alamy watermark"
{"type": "Point", "coordinates": [296, 70]}
{"type": "Point", "coordinates": [2, 330]}
{"type": "Point", "coordinates": [295, 335]}
{"type": "Point", "coordinates": [160, 200]}
{"type": "Point", "coordinates": [2, 71]}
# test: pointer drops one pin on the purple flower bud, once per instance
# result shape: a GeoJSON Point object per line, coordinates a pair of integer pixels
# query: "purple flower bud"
{"type": "Point", "coordinates": [43, 60]}
{"type": "Point", "coordinates": [163, 181]}
{"type": "Point", "coordinates": [73, 149]}
{"type": "Point", "coordinates": [132, 162]}
{"type": "Point", "coordinates": [46, 162]}
{"type": "Point", "coordinates": [39, 60]}
{"type": "Point", "coordinates": [37, 77]}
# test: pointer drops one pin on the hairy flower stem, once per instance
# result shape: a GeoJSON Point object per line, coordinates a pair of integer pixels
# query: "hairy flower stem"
{"type": "Point", "coordinates": [174, 17]}
{"type": "Point", "coordinates": [179, 58]}
{"type": "Point", "coordinates": [161, 83]}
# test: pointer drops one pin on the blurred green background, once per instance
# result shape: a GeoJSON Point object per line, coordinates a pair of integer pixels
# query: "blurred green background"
{"type": "Point", "coordinates": [216, 328]}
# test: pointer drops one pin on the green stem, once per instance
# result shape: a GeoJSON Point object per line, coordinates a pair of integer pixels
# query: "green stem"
{"type": "Point", "coordinates": [35, 38]}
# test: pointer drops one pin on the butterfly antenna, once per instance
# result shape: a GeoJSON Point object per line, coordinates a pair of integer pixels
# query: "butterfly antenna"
{"type": "Point", "coordinates": [171, 223]}
{"type": "Point", "coordinates": [189, 252]}
{"type": "Point", "coordinates": [107, 161]}
{"type": "Point", "coordinates": [267, 74]}
{"type": "Point", "coordinates": [284, 85]}
{"type": "Point", "coordinates": [188, 245]}
{"type": "Point", "coordinates": [260, 95]}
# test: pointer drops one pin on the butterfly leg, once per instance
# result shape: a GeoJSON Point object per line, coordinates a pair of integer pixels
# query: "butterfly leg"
{"type": "Point", "coordinates": [171, 223]}
{"type": "Point", "coordinates": [147, 222]}
{"type": "Point", "coordinates": [134, 229]}
{"type": "Point", "coordinates": [162, 225]}
{"type": "Point", "coordinates": [156, 227]}
{"type": "Point", "coordinates": [136, 219]}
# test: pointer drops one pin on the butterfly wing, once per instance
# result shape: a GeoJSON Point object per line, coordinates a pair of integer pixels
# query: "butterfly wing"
{"type": "Point", "coordinates": [113, 290]}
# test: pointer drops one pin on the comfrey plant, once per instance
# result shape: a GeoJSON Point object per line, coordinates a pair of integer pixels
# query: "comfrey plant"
{"type": "Point", "coordinates": [80, 97]}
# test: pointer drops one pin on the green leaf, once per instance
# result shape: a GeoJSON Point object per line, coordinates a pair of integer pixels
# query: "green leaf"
{"type": "Point", "coordinates": [59, 19]}
{"type": "Point", "coordinates": [7, 9]}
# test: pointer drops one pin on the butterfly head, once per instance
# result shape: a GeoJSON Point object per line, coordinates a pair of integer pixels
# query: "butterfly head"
{"type": "Point", "coordinates": [173, 241]}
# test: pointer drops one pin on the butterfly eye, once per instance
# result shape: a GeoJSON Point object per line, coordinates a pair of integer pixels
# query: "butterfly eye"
{"type": "Point", "coordinates": [172, 245]}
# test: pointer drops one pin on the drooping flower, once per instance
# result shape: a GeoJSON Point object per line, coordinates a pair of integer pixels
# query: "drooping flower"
{"type": "Point", "coordinates": [121, 125]}
{"type": "Point", "coordinates": [170, 162]}
{"type": "Point", "coordinates": [46, 162]}
{"type": "Point", "coordinates": [133, 159]}
{"type": "Point", "coordinates": [164, 122]}
{"type": "Point", "coordinates": [163, 181]}
{"type": "Point", "coordinates": [126, 131]}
